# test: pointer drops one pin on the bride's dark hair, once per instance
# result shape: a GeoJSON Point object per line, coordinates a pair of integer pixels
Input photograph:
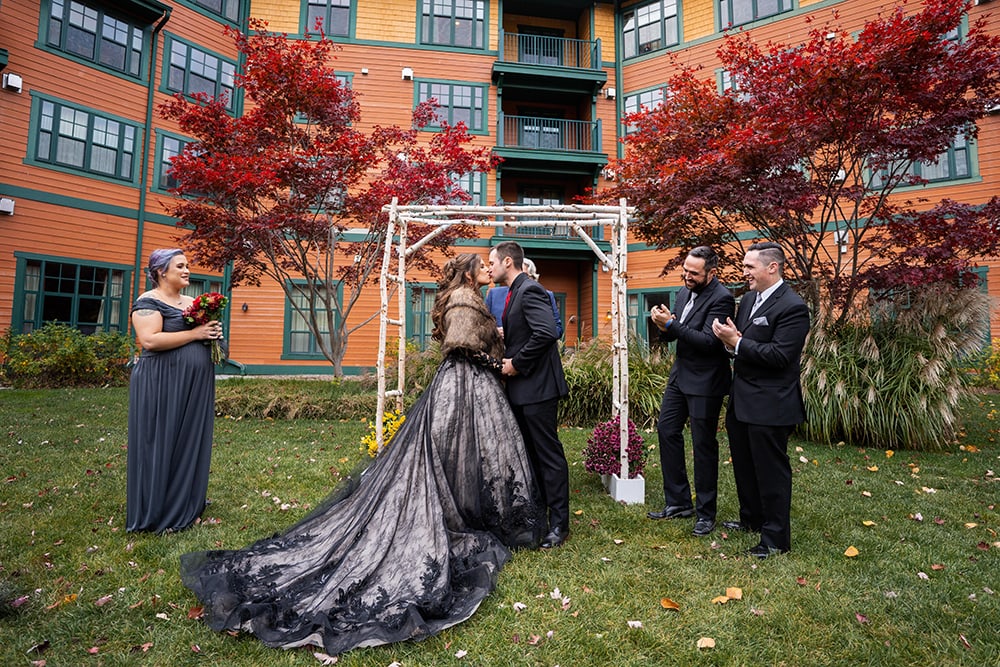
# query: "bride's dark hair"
{"type": "Point", "coordinates": [459, 271]}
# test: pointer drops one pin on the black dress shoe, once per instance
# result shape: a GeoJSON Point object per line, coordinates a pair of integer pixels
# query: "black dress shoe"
{"type": "Point", "coordinates": [737, 526]}
{"type": "Point", "coordinates": [761, 552]}
{"type": "Point", "coordinates": [672, 512]}
{"type": "Point", "coordinates": [555, 538]}
{"type": "Point", "coordinates": [703, 527]}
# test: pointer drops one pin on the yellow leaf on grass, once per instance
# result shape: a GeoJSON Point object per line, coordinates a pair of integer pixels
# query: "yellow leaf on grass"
{"type": "Point", "coordinates": [720, 599]}
{"type": "Point", "coordinates": [667, 603]}
{"type": "Point", "coordinates": [706, 642]}
{"type": "Point", "coordinates": [868, 523]}
{"type": "Point", "coordinates": [971, 525]}
{"type": "Point", "coordinates": [889, 453]}
{"type": "Point", "coordinates": [851, 552]}
{"type": "Point", "coordinates": [734, 593]}
{"type": "Point", "coordinates": [873, 468]}
{"type": "Point", "coordinates": [578, 512]}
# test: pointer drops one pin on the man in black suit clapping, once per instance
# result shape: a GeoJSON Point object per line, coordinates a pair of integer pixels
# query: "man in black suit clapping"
{"type": "Point", "coordinates": [535, 381]}
{"type": "Point", "coordinates": [765, 404]}
{"type": "Point", "coordinates": [699, 380]}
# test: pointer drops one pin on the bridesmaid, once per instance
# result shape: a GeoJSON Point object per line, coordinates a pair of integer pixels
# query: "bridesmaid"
{"type": "Point", "coordinates": [171, 404]}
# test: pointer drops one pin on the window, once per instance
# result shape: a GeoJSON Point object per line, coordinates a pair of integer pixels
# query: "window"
{"type": "Point", "coordinates": [72, 137]}
{"type": "Point", "coordinates": [89, 297]}
{"type": "Point", "coordinates": [227, 9]}
{"type": "Point", "coordinates": [472, 183]}
{"type": "Point", "coordinates": [334, 16]}
{"type": "Point", "coordinates": [738, 12]}
{"type": "Point", "coordinates": [953, 163]}
{"type": "Point", "coordinates": [89, 32]}
{"type": "Point", "coordinates": [418, 319]}
{"type": "Point", "coordinates": [646, 100]}
{"type": "Point", "coordinates": [299, 340]}
{"type": "Point", "coordinates": [456, 102]}
{"type": "Point", "coordinates": [192, 71]}
{"type": "Point", "coordinates": [640, 326]}
{"type": "Point", "coordinates": [167, 148]}
{"type": "Point", "coordinates": [453, 23]}
{"type": "Point", "coordinates": [650, 27]}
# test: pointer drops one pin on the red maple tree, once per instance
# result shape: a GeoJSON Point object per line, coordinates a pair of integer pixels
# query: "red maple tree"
{"type": "Point", "coordinates": [808, 146]}
{"type": "Point", "coordinates": [293, 189]}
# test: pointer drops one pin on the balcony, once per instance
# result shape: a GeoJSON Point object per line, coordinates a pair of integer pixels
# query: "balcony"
{"type": "Point", "coordinates": [555, 64]}
{"type": "Point", "coordinates": [558, 145]}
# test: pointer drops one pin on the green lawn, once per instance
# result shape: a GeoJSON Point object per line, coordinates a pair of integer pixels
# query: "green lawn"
{"type": "Point", "coordinates": [924, 589]}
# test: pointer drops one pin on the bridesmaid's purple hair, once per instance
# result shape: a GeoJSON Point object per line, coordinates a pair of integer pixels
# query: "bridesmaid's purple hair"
{"type": "Point", "coordinates": [159, 260]}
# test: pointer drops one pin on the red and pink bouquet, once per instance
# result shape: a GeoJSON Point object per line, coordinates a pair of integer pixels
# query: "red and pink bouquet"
{"type": "Point", "coordinates": [207, 308]}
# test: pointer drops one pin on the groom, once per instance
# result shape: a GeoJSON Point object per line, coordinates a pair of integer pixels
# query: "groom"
{"type": "Point", "coordinates": [535, 381]}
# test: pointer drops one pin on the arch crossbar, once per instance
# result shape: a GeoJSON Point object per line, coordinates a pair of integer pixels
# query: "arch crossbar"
{"type": "Point", "coordinates": [580, 218]}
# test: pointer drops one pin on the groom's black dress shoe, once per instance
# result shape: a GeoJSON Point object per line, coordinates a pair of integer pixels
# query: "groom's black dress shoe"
{"type": "Point", "coordinates": [555, 538]}
{"type": "Point", "coordinates": [703, 527]}
{"type": "Point", "coordinates": [760, 551]}
{"type": "Point", "coordinates": [672, 512]}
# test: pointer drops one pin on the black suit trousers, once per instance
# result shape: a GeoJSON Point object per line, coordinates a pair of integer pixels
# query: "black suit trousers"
{"type": "Point", "coordinates": [539, 426]}
{"type": "Point", "coordinates": [763, 479]}
{"type": "Point", "coordinates": [703, 411]}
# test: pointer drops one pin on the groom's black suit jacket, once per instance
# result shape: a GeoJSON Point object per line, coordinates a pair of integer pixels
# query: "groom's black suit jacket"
{"type": "Point", "coordinates": [531, 343]}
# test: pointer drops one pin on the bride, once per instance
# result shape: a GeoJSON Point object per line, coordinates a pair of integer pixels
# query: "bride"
{"type": "Point", "coordinates": [415, 543]}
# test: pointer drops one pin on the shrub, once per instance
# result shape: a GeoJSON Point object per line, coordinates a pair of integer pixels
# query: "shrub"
{"type": "Point", "coordinates": [391, 421]}
{"type": "Point", "coordinates": [894, 382]}
{"type": "Point", "coordinates": [589, 376]}
{"type": "Point", "coordinates": [603, 451]}
{"type": "Point", "coordinates": [58, 355]}
{"type": "Point", "coordinates": [982, 369]}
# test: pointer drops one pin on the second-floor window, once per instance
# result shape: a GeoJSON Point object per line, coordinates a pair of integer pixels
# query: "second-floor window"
{"type": "Point", "coordinates": [456, 102]}
{"type": "Point", "coordinates": [192, 71]}
{"type": "Point", "coordinates": [955, 162]}
{"type": "Point", "coordinates": [227, 9]}
{"type": "Point", "coordinates": [77, 138]}
{"type": "Point", "coordinates": [333, 15]}
{"type": "Point", "coordinates": [645, 100]}
{"type": "Point", "coordinates": [650, 27]}
{"type": "Point", "coordinates": [453, 23]}
{"type": "Point", "coordinates": [89, 32]}
{"type": "Point", "coordinates": [738, 12]}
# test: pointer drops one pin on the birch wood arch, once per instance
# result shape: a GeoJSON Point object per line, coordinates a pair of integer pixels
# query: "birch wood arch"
{"type": "Point", "coordinates": [579, 218]}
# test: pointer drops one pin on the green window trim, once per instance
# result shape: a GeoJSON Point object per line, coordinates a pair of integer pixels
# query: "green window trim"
{"type": "Point", "coordinates": [958, 162]}
{"type": "Point", "coordinates": [190, 69]}
{"type": "Point", "coordinates": [297, 341]}
{"type": "Point", "coordinates": [638, 302]}
{"type": "Point", "coordinates": [90, 296]}
{"type": "Point", "coordinates": [167, 145]}
{"type": "Point", "coordinates": [420, 302]}
{"type": "Point", "coordinates": [227, 11]}
{"type": "Point", "coordinates": [71, 138]}
{"type": "Point", "coordinates": [96, 34]}
{"type": "Point", "coordinates": [734, 13]}
{"type": "Point", "coordinates": [652, 26]}
{"type": "Point", "coordinates": [457, 101]}
{"type": "Point", "coordinates": [453, 23]}
{"type": "Point", "coordinates": [339, 17]}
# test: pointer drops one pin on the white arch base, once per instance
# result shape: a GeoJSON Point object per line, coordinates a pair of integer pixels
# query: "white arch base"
{"type": "Point", "coordinates": [579, 218]}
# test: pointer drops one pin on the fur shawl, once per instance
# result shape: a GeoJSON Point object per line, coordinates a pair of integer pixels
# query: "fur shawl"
{"type": "Point", "coordinates": [469, 325]}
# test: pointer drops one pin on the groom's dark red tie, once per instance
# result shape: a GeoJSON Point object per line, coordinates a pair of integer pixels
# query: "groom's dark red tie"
{"type": "Point", "coordinates": [506, 304]}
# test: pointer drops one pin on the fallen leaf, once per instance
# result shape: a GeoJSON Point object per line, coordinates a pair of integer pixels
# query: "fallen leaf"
{"type": "Point", "coordinates": [965, 642]}
{"type": "Point", "coordinates": [866, 494]}
{"type": "Point", "coordinates": [927, 489]}
{"type": "Point", "coordinates": [868, 523]}
{"type": "Point", "coordinates": [519, 606]}
{"type": "Point", "coordinates": [103, 600]}
{"type": "Point", "coordinates": [194, 613]}
{"type": "Point", "coordinates": [862, 619]}
{"type": "Point", "coordinates": [93, 650]}
{"type": "Point", "coordinates": [17, 602]}
{"type": "Point", "coordinates": [971, 525]}
{"type": "Point", "coordinates": [163, 616]}
{"type": "Point", "coordinates": [801, 581]}
{"type": "Point", "coordinates": [619, 541]}
{"type": "Point", "coordinates": [667, 603]}
{"type": "Point", "coordinates": [635, 624]}
{"type": "Point", "coordinates": [461, 654]}
{"type": "Point", "coordinates": [939, 521]}
{"type": "Point", "coordinates": [706, 642]}
{"type": "Point", "coordinates": [195, 648]}
{"type": "Point", "coordinates": [734, 593]}
{"type": "Point", "coordinates": [851, 552]}
{"type": "Point", "coordinates": [873, 468]}
{"type": "Point", "coordinates": [937, 567]}
{"type": "Point", "coordinates": [922, 575]}
{"type": "Point", "coordinates": [325, 659]}
{"type": "Point", "coordinates": [889, 453]}
{"type": "Point", "coordinates": [578, 512]}
{"type": "Point", "coordinates": [917, 516]}
{"type": "Point", "coordinates": [720, 599]}
{"type": "Point", "coordinates": [534, 639]}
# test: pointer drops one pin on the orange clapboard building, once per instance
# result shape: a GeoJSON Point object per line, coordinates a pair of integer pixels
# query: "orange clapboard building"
{"type": "Point", "coordinates": [83, 152]}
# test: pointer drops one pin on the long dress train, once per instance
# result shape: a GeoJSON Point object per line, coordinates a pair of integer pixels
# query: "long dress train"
{"type": "Point", "coordinates": [406, 549]}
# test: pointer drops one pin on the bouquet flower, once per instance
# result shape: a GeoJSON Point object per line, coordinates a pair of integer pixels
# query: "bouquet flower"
{"type": "Point", "coordinates": [602, 453]}
{"type": "Point", "coordinates": [206, 308]}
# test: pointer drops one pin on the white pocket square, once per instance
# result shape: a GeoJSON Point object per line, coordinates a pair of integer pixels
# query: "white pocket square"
{"type": "Point", "coordinates": [760, 321]}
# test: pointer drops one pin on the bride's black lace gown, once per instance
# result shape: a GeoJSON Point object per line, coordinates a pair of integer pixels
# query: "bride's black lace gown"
{"type": "Point", "coordinates": [409, 547]}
